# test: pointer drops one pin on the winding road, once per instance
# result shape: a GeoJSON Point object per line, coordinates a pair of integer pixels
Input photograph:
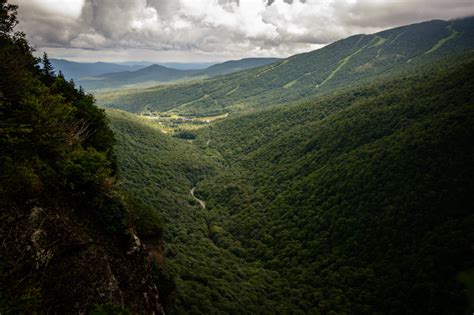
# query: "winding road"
{"type": "Point", "coordinates": [202, 203]}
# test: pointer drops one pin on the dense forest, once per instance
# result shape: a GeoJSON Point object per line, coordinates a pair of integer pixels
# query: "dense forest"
{"type": "Point", "coordinates": [369, 209]}
{"type": "Point", "coordinates": [355, 202]}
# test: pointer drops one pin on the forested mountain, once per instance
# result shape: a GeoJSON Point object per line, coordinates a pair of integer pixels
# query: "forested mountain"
{"type": "Point", "coordinates": [359, 201]}
{"type": "Point", "coordinates": [77, 70]}
{"type": "Point", "coordinates": [70, 238]}
{"type": "Point", "coordinates": [156, 73]}
{"type": "Point", "coordinates": [355, 59]}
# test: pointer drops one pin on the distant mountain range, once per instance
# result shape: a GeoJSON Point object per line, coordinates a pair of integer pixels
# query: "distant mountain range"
{"type": "Point", "coordinates": [102, 75]}
{"type": "Point", "coordinates": [77, 70]}
{"type": "Point", "coordinates": [357, 59]}
{"type": "Point", "coordinates": [186, 65]}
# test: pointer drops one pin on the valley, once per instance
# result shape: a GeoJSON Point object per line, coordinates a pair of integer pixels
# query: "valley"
{"type": "Point", "coordinates": [319, 176]}
{"type": "Point", "coordinates": [288, 209]}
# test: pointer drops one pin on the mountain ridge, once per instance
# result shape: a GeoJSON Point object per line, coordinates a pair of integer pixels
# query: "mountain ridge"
{"type": "Point", "coordinates": [354, 59]}
{"type": "Point", "coordinates": [76, 70]}
{"type": "Point", "coordinates": [161, 74]}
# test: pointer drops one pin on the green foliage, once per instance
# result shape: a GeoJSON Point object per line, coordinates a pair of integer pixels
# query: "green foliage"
{"type": "Point", "coordinates": [85, 171]}
{"type": "Point", "coordinates": [54, 140]}
{"type": "Point", "coordinates": [47, 68]}
{"type": "Point", "coordinates": [145, 218]}
{"type": "Point", "coordinates": [161, 170]}
{"type": "Point", "coordinates": [360, 198]}
{"type": "Point", "coordinates": [8, 19]}
{"type": "Point", "coordinates": [186, 135]}
{"type": "Point", "coordinates": [110, 211]}
{"type": "Point", "coordinates": [357, 201]}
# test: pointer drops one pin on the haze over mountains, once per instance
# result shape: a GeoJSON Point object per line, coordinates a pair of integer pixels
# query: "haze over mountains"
{"type": "Point", "coordinates": [77, 70]}
{"type": "Point", "coordinates": [102, 75]}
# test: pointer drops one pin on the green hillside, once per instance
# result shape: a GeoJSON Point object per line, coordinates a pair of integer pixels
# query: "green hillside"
{"type": "Point", "coordinates": [358, 201]}
{"type": "Point", "coordinates": [359, 58]}
{"type": "Point", "coordinates": [329, 185]}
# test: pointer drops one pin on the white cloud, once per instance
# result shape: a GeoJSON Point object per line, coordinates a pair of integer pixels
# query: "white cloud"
{"type": "Point", "coordinates": [67, 8]}
{"type": "Point", "coordinates": [218, 28]}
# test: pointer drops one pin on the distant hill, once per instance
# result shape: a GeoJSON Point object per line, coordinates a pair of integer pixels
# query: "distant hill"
{"type": "Point", "coordinates": [354, 59]}
{"type": "Point", "coordinates": [153, 73]}
{"type": "Point", "coordinates": [77, 70]}
{"type": "Point", "coordinates": [158, 74]}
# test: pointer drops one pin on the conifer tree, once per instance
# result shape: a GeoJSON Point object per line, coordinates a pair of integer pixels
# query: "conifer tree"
{"type": "Point", "coordinates": [8, 18]}
{"type": "Point", "coordinates": [48, 68]}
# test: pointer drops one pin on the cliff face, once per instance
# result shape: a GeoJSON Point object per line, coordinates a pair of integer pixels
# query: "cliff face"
{"type": "Point", "coordinates": [67, 234]}
{"type": "Point", "coordinates": [58, 262]}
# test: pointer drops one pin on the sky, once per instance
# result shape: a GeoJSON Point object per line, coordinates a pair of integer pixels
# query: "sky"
{"type": "Point", "coordinates": [212, 30]}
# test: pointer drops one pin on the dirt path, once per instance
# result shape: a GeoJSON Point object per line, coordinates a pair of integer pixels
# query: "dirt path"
{"type": "Point", "coordinates": [202, 203]}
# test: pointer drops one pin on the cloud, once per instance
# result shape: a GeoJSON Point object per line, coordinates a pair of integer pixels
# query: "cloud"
{"type": "Point", "coordinates": [220, 28]}
{"type": "Point", "coordinates": [66, 8]}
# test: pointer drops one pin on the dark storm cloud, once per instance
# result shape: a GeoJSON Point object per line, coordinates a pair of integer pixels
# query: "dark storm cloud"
{"type": "Point", "coordinates": [230, 27]}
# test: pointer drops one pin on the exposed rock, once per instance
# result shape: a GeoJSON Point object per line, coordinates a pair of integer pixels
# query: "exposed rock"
{"type": "Point", "coordinates": [71, 265]}
{"type": "Point", "coordinates": [135, 243]}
